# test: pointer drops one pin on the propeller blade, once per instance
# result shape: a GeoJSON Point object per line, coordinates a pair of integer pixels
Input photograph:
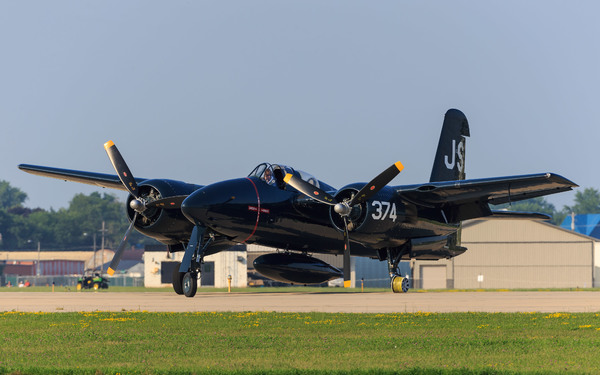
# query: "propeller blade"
{"type": "Point", "coordinates": [344, 208]}
{"type": "Point", "coordinates": [377, 183]}
{"type": "Point", "coordinates": [347, 276]}
{"type": "Point", "coordinates": [309, 189]}
{"type": "Point", "coordinates": [119, 253]}
{"type": "Point", "coordinates": [169, 202]}
{"type": "Point", "coordinates": [121, 168]}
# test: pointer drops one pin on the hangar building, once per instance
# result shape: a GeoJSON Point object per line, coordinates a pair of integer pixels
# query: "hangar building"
{"type": "Point", "coordinates": [515, 254]}
{"type": "Point", "coordinates": [159, 264]}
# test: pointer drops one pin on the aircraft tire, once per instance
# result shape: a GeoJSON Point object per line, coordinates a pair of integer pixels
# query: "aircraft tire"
{"type": "Point", "coordinates": [178, 279]}
{"type": "Point", "coordinates": [190, 284]}
{"type": "Point", "coordinates": [400, 284]}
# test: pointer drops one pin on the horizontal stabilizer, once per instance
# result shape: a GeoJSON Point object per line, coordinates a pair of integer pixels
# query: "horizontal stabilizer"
{"type": "Point", "coordinates": [502, 214]}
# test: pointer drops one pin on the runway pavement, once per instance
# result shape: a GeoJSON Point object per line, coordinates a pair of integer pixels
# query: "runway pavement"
{"type": "Point", "coordinates": [579, 301]}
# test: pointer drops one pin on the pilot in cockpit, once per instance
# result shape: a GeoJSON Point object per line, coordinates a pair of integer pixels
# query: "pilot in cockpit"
{"type": "Point", "coordinates": [268, 176]}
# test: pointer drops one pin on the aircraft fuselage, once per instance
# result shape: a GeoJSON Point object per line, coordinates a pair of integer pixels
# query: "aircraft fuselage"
{"type": "Point", "coordinates": [248, 210]}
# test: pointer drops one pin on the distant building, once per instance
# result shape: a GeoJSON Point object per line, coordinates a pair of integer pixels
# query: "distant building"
{"type": "Point", "coordinates": [515, 254]}
{"type": "Point", "coordinates": [587, 224]}
{"type": "Point", "coordinates": [159, 265]}
{"type": "Point", "coordinates": [64, 267]}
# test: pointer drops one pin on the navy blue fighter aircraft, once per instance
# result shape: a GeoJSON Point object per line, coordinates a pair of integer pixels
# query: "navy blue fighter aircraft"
{"type": "Point", "coordinates": [284, 208]}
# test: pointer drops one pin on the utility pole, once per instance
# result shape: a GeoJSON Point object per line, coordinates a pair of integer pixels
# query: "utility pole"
{"type": "Point", "coordinates": [38, 262]}
{"type": "Point", "coordinates": [103, 230]}
{"type": "Point", "coordinates": [94, 252]}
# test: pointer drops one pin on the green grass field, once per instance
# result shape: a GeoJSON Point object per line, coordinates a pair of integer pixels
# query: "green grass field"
{"type": "Point", "coordinates": [295, 343]}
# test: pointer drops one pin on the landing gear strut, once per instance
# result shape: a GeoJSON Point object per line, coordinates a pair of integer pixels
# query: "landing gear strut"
{"type": "Point", "coordinates": [185, 281]}
{"type": "Point", "coordinates": [399, 283]}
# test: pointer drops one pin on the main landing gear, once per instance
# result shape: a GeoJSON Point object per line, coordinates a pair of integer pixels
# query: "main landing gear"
{"type": "Point", "coordinates": [399, 283]}
{"type": "Point", "coordinates": [185, 277]}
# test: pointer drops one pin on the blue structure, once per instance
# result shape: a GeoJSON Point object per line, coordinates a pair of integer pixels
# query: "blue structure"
{"type": "Point", "coordinates": [588, 224]}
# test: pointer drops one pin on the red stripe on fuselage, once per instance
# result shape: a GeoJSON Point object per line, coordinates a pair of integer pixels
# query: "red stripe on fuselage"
{"type": "Point", "coordinates": [257, 211]}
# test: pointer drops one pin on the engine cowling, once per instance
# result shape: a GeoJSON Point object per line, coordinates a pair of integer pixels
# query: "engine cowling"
{"type": "Point", "coordinates": [373, 221]}
{"type": "Point", "coordinates": [168, 226]}
{"type": "Point", "coordinates": [358, 214]}
{"type": "Point", "coordinates": [295, 268]}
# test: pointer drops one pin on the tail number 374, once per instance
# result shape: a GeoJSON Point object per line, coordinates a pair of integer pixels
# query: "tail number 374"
{"type": "Point", "coordinates": [384, 210]}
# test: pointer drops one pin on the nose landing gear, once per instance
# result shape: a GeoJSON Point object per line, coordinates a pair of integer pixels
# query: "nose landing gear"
{"type": "Point", "coordinates": [185, 279]}
{"type": "Point", "coordinates": [190, 284]}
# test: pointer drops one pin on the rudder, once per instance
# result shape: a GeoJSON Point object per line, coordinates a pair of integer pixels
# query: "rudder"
{"type": "Point", "coordinates": [449, 162]}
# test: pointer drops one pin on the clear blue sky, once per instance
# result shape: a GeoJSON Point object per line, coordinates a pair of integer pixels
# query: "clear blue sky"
{"type": "Point", "coordinates": [202, 91]}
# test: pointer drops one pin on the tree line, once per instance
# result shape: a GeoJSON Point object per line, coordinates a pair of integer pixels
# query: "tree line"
{"type": "Point", "coordinates": [586, 201]}
{"type": "Point", "coordinates": [76, 226]}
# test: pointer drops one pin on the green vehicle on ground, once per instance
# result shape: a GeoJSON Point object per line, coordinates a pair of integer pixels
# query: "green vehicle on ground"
{"type": "Point", "coordinates": [92, 282]}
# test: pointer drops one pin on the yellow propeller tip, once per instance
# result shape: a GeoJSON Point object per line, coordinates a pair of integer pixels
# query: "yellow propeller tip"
{"type": "Point", "coordinates": [287, 178]}
{"type": "Point", "coordinates": [110, 271]}
{"type": "Point", "coordinates": [399, 166]}
{"type": "Point", "coordinates": [108, 145]}
{"type": "Point", "coordinates": [347, 283]}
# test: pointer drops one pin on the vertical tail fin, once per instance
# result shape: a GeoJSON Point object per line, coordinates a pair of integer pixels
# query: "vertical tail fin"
{"type": "Point", "coordinates": [449, 163]}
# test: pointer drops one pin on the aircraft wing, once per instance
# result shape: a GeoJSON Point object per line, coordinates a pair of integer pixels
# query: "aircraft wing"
{"type": "Point", "coordinates": [98, 179]}
{"type": "Point", "coordinates": [470, 198]}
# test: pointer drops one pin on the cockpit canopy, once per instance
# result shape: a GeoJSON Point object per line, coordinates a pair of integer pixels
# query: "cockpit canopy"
{"type": "Point", "coordinates": [273, 174]}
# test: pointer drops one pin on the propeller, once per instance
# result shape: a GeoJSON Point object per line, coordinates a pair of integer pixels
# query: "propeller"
{"type": "Point", "coordinates": [114, 263]}
{"type": "Point", "coordinates": [138, 204]}
{"type": "Point", "coordinates": [344, 208]}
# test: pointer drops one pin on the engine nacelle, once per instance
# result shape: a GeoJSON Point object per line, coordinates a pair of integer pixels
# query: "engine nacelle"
{"type": "Point", "coordinates": [295, 268]}
{"type": "Point", "coordinates": [378, 215]}
{"type": "Point", "coordinates": [168, 226]}
{"type": "Point", "coordinates": [358, 214]}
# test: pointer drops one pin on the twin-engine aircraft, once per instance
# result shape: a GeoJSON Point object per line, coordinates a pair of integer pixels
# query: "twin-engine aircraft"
{"type": "Point", "coordinates": [284, 208]}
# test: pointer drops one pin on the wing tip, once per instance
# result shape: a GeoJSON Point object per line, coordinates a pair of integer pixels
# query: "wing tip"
{"type": "Point", "coordinates": [562, 179]}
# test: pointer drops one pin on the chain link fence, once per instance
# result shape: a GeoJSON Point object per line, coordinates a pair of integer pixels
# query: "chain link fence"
{"type": "Point", "coordinates": [66, 281]}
